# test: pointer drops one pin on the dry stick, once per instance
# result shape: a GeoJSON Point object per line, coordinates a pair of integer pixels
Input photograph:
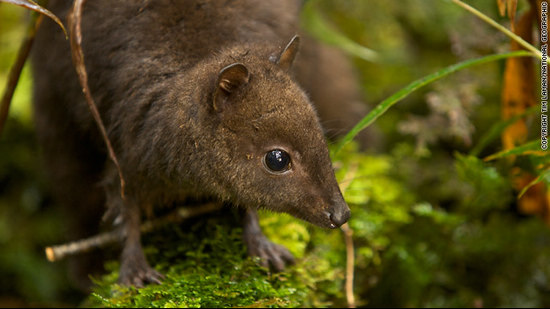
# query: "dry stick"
{"type": "Point", "coordinates": [15, 71]}
{"type": "Point", "coordinates": [350, 263]}
{"type": "Point", "coordinates": [75, 19]}
{"type": "Point", "coordinates": [56, 253]}
{"type": "Point", "coordinates": [350, 251]}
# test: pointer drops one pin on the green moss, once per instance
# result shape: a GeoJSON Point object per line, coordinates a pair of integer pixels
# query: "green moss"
{"type": "Point", "coordinates": [205, 262]}
{"type": "Point", "coordinates": [205, 266]}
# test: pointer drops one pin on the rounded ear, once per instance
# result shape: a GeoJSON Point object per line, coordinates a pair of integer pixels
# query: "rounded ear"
{"type": "Point", "coordinates": [229, 80]}
{"type": "Point", "coordinates": [289, 53]}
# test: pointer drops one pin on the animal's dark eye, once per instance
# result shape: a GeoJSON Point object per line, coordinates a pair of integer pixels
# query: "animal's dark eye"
{"type": "Point", "coordinates": [277, 161]}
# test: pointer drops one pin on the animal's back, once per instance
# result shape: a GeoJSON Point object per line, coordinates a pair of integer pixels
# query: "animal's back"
{"type": "Point", "coordinates": [132, 43]}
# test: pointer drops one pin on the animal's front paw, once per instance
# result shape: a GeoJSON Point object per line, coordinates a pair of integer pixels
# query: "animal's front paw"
{"type": "Point", "coordinates": [138, 273]}
{"type": "Point", "coordinates": [270, 254]}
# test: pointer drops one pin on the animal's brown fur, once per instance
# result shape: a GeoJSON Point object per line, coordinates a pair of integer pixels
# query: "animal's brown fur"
{"type": "Point", "coordinates": [180, 125]}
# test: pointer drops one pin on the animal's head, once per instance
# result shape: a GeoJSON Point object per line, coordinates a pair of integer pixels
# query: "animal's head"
{"type": "Point", "coordinates": [273, 142]}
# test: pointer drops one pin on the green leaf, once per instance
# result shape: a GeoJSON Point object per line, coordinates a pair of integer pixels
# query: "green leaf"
{"type": "Point", "coordinates": [381, 108]}
{"type": "Point", "coordinates": [496, 130]}
{"type": "Point", "coordinates": [316, 26]}
{"type": "Point", "coordinates": [529, 148]}
{"type": "Point", "coordinates": [545, 175]}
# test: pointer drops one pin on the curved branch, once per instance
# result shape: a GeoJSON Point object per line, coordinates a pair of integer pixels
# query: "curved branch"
{"type": "Point", "coordinates": [59, 252]}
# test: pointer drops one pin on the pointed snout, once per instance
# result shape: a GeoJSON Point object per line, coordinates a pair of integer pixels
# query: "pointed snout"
{"type": "Point", "coordinates": [339, 214]}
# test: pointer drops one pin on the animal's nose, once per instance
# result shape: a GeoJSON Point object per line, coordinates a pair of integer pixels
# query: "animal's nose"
{"type": "Point", "coordinates": [340, 215]}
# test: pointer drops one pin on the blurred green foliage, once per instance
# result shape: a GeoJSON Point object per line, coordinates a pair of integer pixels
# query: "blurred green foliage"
{"type": "Point", "coordinates": [28, 219]}
{"type": "Point", "coordinates": [432, 225]}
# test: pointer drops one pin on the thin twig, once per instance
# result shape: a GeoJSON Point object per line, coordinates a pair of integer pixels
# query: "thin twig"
{"type": "Point", "coordinates": [78, 60]}
{"type": "Point", "coordinates": [350, 250]}
{"type": "Point", "coordinates": [31, 5]}
{"type": "Point", "coordinates": [59, 252]}
{"type": "Point", "coordinates": [350, 263]}
{"type": "Point", "coordinates": [502, 29]}
{"type": "Point", "coordinates": [56, 253]}
{"type": "Point", "coordinates": [17, 68]}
